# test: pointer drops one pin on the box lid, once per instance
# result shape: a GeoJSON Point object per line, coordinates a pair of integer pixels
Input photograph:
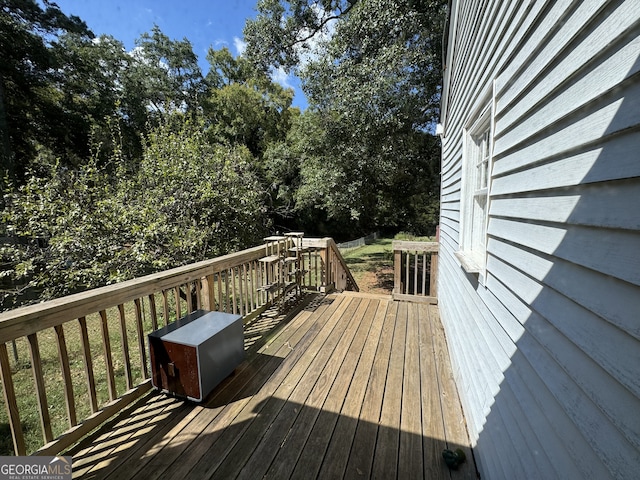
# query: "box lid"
{"type": "Point", "coordinates": [196, 327]}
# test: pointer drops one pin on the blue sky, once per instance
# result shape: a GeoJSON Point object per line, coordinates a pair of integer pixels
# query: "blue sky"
{"type": "Point", "coordinates": [216, 23]}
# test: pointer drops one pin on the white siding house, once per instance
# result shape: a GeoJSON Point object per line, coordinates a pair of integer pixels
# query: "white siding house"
{"type": "Point", "coordinates": [539, 270]}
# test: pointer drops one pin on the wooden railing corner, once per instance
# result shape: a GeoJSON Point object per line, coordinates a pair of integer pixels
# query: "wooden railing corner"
{"type": "Point", "coordinates": [415, 271]}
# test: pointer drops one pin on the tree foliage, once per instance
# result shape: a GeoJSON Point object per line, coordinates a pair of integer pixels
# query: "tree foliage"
{"type": "Point", "coordinates": [124, 163]}
{"type": "Point", "coordinates": [285, 31]}
{"type": "Point", "coordinates": [244, 107]}
{"type": "Point", "coordinates": [167, 73]}
{"type": "Point", "coordinates": [366, 153]}
{"type": "Point", "coordinates": [31, 106]}
{"type": "Point", "coordinates": [93, 225]}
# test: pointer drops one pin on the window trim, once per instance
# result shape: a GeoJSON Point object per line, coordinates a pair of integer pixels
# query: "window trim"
{"type": "Point", "coordinates": [472, 253]}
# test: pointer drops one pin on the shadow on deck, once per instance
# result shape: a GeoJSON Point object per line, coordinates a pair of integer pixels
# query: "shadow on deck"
{"type": "Point", "coordinates": [350, 386]}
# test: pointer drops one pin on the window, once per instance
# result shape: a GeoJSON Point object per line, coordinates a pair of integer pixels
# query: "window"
{"type": "Point", "coordinates": [476, 171]}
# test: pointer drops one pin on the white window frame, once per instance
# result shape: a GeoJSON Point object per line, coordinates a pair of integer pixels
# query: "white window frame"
{"type": "Point", "coordinates": [476, 183]}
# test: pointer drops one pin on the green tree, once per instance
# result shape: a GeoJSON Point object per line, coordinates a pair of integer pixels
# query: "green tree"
{"type": "Point", "coordinates": [165, 74]}
{"type": "Point", "coordinates": [31, 112]}
{"type": "Point", "coordinates": [285, 31]}
{"type": "Point", "coordinates": [96, 224]}
{"type": "Point", "coordinates": [244, 106]}
{"type": "Point", "coordinates": [93, 96]}
{"type": "Point", "coordinates": [374, 85]}
{"type": "Point", "coordinates": [193, 200]}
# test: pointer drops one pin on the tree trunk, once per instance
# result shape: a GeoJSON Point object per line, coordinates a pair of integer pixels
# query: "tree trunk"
{"type": "Point", "coordinates": [7, 162]}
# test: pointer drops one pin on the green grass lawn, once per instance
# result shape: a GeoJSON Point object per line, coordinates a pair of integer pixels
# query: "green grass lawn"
{"type": "Point", "coordinates": [372, 265]}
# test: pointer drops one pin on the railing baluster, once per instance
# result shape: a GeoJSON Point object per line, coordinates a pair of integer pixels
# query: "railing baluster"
{"type": "Point", "coordinates": [433, 281]}
{"type": "Point", "coordinates": [165, 306]}
{"type": "Point", "coordinates": [106, 345]}
{"type": "Point", "coordinates": [220, 307]}
{"type": "Point", "coordinates": [324, 266]}
{"type": "Point", "coordinates": [233, 290]}
{"type": "Point", "coordinates": [176, 292]}
{"type": "Point", "coordinates": [407, 260]}
{"type": "Point", "coordinates": [217, 293]}
{"type": "Point", "coordinates": [264, 280]}
{"type": "Point", "coordinates": [188, 289]}
{"type": "Point", "coordinates": [258, 275]}
{"type": "Point", "coordinates": [249, 285]}
{"type": "Point", "coordinates": [10, 401]}
{"type": "Point", "coordinates": [38, 378]}
{"type": "Point", "coordinates": [241, 292]}
{"type": "Point", "coordinates": [247, 293]}
{"type": "Point", "coordinates": [208, 293]}
{"type": "Point", "coordinates": [226, 292]}
{"type": "Point", "coordinates": [332, 268]}
{"type": "Point", "coordinates": [317, 273]}
{"type": "Point", "coordinates": [398, 271]}
{"type": "Point", "coordinates": [141, 346]}
{"type": "Point", "coordinates": [66, 376]}
{"type": "Point", "coordinates": [217, 288]}
{"type": "Point", "coordinates": [425, 266]}
{"type": "Point", "coordinates": [255, 301]}
{"type": "Point", "coordinates": [258, 282]}
{"type": "Point", "coordinates": [88, 364]}
{"type": "Point", "coordinates": [415, 273]}
{"type": "Point", "coordinates": [198, 286]}
{"type": "Point", "coordinates": [154, 312]}
{"type": "Point", "coordinates": [125, 347]}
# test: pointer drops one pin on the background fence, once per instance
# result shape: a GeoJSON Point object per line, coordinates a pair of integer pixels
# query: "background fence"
{"type": "Point", "coordinates": [359, 242]}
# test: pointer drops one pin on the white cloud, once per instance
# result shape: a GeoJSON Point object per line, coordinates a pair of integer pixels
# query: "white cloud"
{"type": "Point", "coordinates": [312, 48]}
{"type": "Point", "coordinates": [282, 77]}
{"type": "Point", "coordinates": [138, 54]}
{"type": "Point", "coordinates": [240, 45]}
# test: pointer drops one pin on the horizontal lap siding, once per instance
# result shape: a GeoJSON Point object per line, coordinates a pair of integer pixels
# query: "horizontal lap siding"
{"type": "Point", "coordinates": [546, 351]}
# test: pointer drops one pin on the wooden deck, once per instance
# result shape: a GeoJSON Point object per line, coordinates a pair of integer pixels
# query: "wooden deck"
{"type": "Point", "coordinates": [352, 386]}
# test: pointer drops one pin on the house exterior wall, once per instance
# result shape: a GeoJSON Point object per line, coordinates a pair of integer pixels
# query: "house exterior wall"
{"type": "Point", "coordinates": [545, 337]}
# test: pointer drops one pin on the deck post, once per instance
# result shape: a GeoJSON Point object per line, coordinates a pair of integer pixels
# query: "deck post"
{"type": "Point", "coordinates": [397, 271]}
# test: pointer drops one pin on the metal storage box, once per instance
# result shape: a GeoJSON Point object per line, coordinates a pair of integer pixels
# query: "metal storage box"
{"type": "Point", "coordinates": [194, 354]}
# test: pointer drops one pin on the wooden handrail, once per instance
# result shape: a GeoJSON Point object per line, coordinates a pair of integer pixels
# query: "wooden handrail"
{"type": "Point", "coordinates": [34, 318]}
{"type": "Point", "coordinates": [344, 279]}
{"type": "Point", "coordinates": [98, 319]}
{"type": "Point", "coordinates": [336, 272]}
{"type": "Point", "coordinates": [415, 275]}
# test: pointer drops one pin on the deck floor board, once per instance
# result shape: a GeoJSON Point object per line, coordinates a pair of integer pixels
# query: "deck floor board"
{"type": "Point", "coordinates": [350, 387]}
{"type": "Point", "coordinates": [339, 377]}
{"type": "Point", "coordinates": [335, 460]}
{"type": "Point", "coordinates": [385, 462]}
{"type": "Point", "coordinates": [362, 452]}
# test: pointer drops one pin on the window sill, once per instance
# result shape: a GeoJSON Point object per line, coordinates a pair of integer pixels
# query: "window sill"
{"type": "Point", "coordinates": [469, 262]}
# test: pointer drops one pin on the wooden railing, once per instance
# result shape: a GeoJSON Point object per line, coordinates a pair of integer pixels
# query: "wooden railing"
{"type": "Point", "coordinates": [337, 275]}
{"type": "Point", "coordinates": [87, 353]}
{"type": "Point", "coordinates": [415, 271]}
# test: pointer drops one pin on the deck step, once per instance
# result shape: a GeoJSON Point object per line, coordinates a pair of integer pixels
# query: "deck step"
{"type": "Point", "coordinates": [269, 259]}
